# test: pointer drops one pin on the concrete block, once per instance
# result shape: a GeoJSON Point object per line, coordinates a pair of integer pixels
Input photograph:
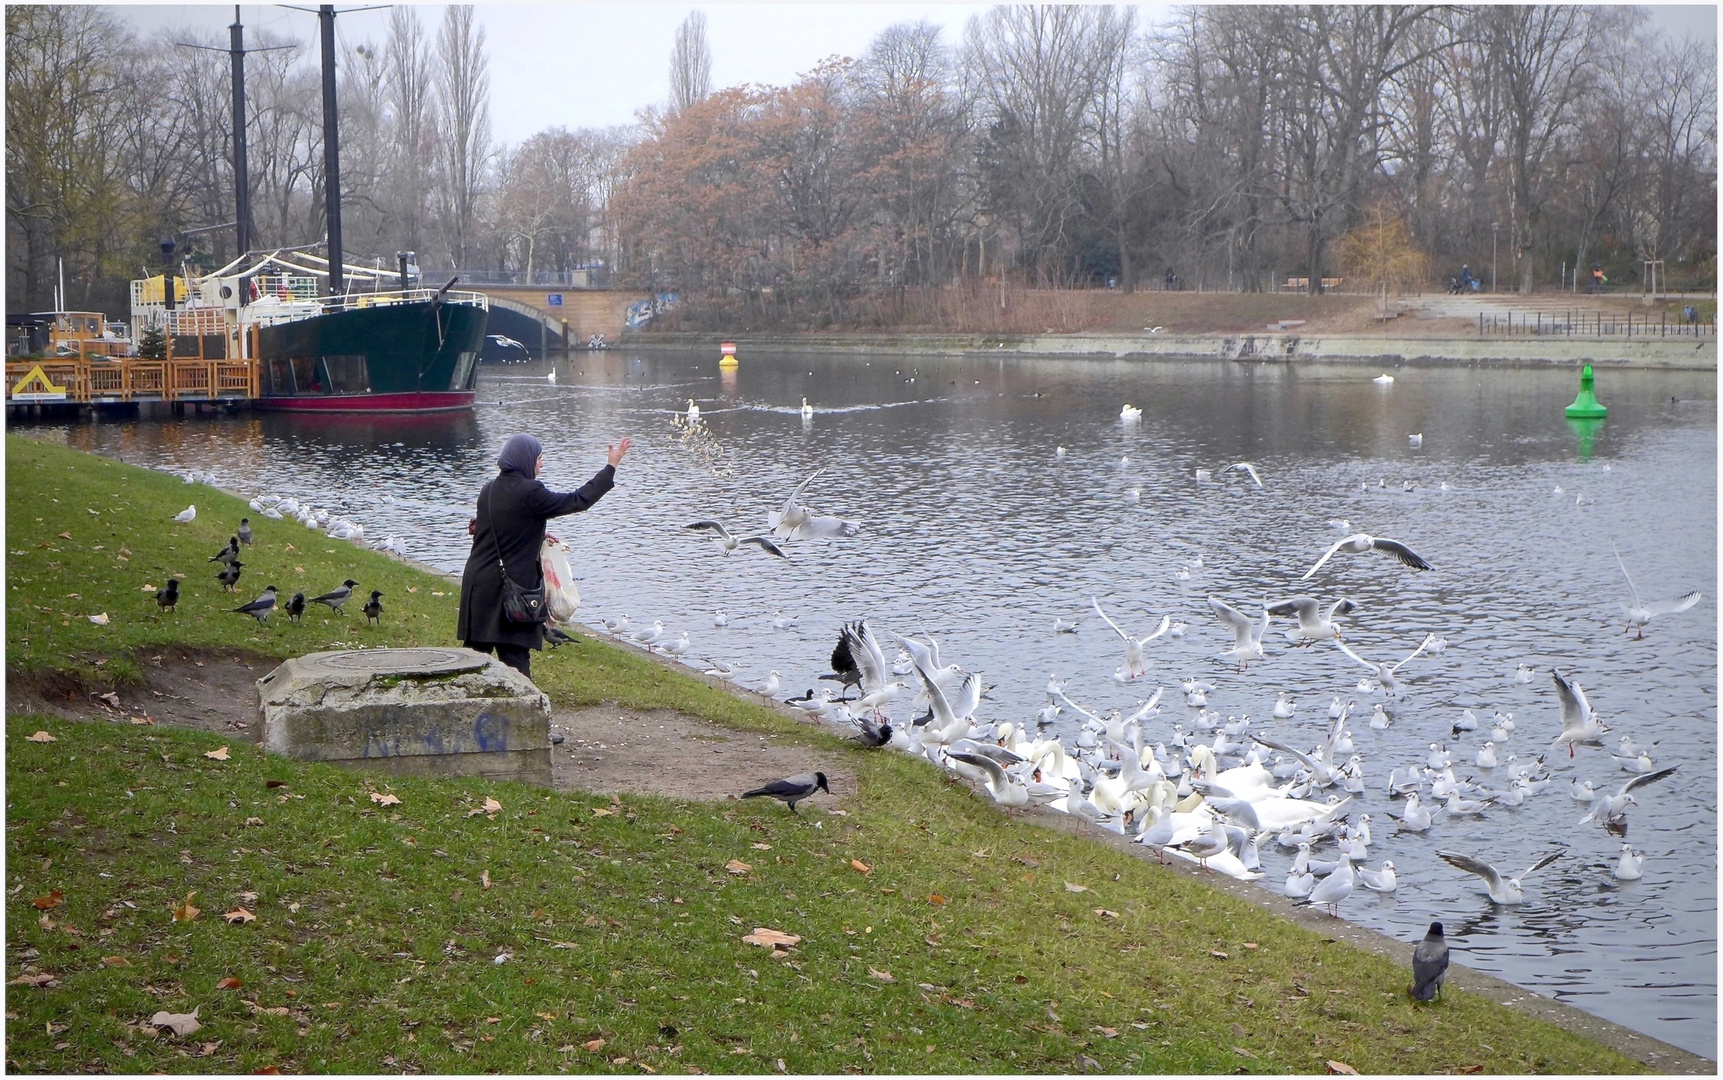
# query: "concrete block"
{"type": "Point", "coordinates": [409, 712]}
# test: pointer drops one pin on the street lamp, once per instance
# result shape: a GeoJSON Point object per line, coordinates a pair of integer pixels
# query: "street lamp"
{"type": "Point", "coordinates": [167, 272]}
{"type": "Point", "coordinates": [1495, 232]}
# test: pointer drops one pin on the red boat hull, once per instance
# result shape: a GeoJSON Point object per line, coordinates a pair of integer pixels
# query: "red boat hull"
{"type": "Point", "coordinates": [417, 401]}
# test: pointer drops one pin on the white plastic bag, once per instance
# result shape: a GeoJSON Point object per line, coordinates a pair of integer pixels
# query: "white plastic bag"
{"type": "Point", "coordinates": [561, 595]}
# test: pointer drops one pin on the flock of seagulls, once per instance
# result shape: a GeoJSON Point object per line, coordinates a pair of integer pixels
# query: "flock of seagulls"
{"type": "Point", "coordinates": [1214, 790]}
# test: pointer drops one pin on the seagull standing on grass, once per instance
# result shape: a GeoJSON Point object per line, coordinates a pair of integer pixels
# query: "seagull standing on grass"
{"type": "Point", "coordinates": [186, 516]}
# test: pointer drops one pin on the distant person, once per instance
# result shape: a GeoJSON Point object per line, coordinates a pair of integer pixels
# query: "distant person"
{"type": "Point", "coordinates": [512, 511]}
{"type": "Point", "coordinates": [1598, 278]}
{"type": "Point", "coordinates": [1468, 283]}
{"type": "Point", "coordinates": [1172, 280]}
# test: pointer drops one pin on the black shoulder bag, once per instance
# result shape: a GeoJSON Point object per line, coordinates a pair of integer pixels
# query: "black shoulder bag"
{"type": "Point", "coordinates": [519, 605]}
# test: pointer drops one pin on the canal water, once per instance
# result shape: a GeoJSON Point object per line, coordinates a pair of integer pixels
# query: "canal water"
{"type": "Point", "coordinates": [978, 531]}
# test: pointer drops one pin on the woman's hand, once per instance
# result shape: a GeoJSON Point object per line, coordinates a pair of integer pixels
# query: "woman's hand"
{"type": "Point", "coordinates": [619, 451]}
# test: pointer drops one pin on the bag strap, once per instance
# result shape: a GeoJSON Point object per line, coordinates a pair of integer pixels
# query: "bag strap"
{"type": "Point", "coordinates": [490, 520]}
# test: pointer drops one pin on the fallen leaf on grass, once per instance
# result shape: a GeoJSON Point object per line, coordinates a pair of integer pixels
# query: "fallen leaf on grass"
{"type": "Point", "coordinates": [737, 866]}
{"type": "Point", "coordinates": [100, 618]}
{"type": "Point", "coordinates": [770, 938]}
{"type": "Point", "coordinates": [385, 798]}
{"type": "Point", "coordinates": [1242, 1052]}
{"type": "Point", "coordinates": [49, 902]}
{"type": "Point", "coordinates": [43, 979]}
{"type": "Point", "coordinates": [882, 976]}
{"type": "Point", "coordinates": [860, 867]}
{"type": "Point", "coordinates": [253, 821]}
{"type": "Point", "coordinates": [185, 912]}
{"type": "Point", "coordinates": [239, 915]}
{"type": "Point", "coordinates": [1111, 1033]}
{"type": "Point", "coordinates": [64, 536]}
{"type": "Point", "coordinates": [218, 754]}
{"type": "Point", "coordinates": [229, 983]}
{"type": "Point", "coordinates": [42, 736]}
{"type": "Point", "coordinates": [757, 846]}
{"type": "Point", "coordinates": [485, 877]}
{"type": "Point", "coordinates": [491, 806]}
{"type": "Point", "coordinates": [267, 1070]}
{"type": "Point", "coordinates": [181, 1024]}
{"type": "Point", "coordinates": [116, 961]}
{"type": "Point", "coordinates": [1342, 1068]}
{"type": "Point", "coordinates": [1105, 914]}
{"type": "Point", "coordinates": [1072, 887]}
{"type": "Point", "coordinates": [936, 900]}
{"type": "Point", "coordinates": [1218, 955]}
{"type": "Point", "coordinates": [593, 1045]}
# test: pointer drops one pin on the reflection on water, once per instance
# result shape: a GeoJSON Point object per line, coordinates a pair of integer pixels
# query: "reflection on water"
{"type": "Point", "coordinates": [978, 532]}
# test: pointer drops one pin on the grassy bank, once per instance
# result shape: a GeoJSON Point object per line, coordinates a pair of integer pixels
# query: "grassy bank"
{"type": "Point", "coordinates": [936, 935]}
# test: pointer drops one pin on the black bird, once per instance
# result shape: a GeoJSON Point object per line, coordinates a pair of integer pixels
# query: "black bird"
{"type": "Point", "coordinates": [229, 576]}
{"type": "Point", "coordinates": [1429, 964]}
{"type": "Point", "coordinates": [792, 789]}
{"type": "Point", "coordinates": [336, 597]}
{"type": "Point", "coordinates": [244, 533]}
{"type": "Point", "coordinates": [260, 608]}
{"type": "Point", "coordinates": [168, 597]}
{"type": "Point", "coordinates": [844, 667]}
{"type": "Point", "coordinates": [296, 606]}
{"type": "Point", "coordinates": [228, 553]}
{"type": "Point", "coordinates": [871, 735]}
{"type": "Point", "coordinates": [374, 608]}
{"type": "Point", "coordinates": [555, 637]}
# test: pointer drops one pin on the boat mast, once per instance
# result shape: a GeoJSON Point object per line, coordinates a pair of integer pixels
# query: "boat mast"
{"type": "Point", "coordinates": [331, 149]}
{"type": "Point", "coordinates": [241, 177]}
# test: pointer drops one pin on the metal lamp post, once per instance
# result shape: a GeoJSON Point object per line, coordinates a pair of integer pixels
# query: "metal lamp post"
{"type": "Point", "coordinates": [167, 272]}
{"type": "Point", "coordinates": [1495, 232]}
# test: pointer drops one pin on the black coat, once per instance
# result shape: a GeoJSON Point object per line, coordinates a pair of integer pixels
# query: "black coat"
{"type": "Point", "coordinates": [511, 514]}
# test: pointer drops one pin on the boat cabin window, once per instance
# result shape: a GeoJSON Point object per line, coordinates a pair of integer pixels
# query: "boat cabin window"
{"type": "Point", "coordinates": [347, 374]}
{"type": "Point", "coordinates": [279, 376]}
{"type": "Point", "coordinates": [307, 376]}
{"type": "Point", "coordinates": [463, 378]}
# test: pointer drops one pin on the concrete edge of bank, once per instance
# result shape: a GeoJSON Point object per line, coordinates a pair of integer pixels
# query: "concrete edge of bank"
{"type": "Point", "coordinates": [1679, 353]}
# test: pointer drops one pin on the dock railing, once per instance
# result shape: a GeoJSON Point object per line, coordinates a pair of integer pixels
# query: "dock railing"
{"type": "Point", "coordinates": [95, 381]}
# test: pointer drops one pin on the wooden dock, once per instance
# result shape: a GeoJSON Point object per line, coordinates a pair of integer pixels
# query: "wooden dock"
{"type": "Point", "coordinates": [121, 380]}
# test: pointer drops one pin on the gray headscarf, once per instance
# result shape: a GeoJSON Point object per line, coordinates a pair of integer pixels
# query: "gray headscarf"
{"type": "Point", "coordinates": [520, 455]}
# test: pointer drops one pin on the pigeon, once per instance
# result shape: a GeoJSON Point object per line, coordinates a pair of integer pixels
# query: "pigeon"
{"type": "Point", "coordinates": [260, 608]}
{"type": "Point", "coordinates": [168, 597]}
{"type": "Point", "coordinates": [185, 517]}
{"type": "Point", "coordinates": [551, 634]}
{"type": "Point", "coordinates": [228, 553]}
{"type": "Point", "coordinates": [1429, 964]}
{"type": "Point", "coordinates": [336, 597]}
{"type": "Point", "coordinates": [374, 608]}
{"type": "Point", "coordinates": [229, 576]}
{"type": "Point", "coordinates": [244, 532]}
{"type": "Point", "coordinates": [296, 607]}
{"type": "Point", "coordinates": [1358, 543]}
{"type": "Point", "coordinates": [792, 789]}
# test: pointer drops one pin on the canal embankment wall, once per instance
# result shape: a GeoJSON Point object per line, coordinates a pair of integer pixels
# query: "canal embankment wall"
{"type": "Point", "coordinates": [1673, 353]}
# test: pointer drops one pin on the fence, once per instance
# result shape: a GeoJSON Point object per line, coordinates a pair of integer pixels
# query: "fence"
{"type": "Point", "coordinates": [132, 379]}
{"type": "Point", "coordinates": [1575, 323]}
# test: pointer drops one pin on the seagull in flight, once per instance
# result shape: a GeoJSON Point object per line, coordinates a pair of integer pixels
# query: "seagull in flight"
{"type": "Point", "coordinates": [1385, 674]}
{"type": "Point", "coordinates": [1358, 543]}
{"type": "Point", "coordinates": [729, 541]}
{"type": "Point", "coordinates": [1613, 806]}
{"type": "Point", "coordinates": [1640, 613]}
{"type": "Point", "coordinates": [1247, 467]}
{"type": "Point", "coordinates": [1502, 890]}
{"type": "Point", "coordinates": [1313, 624]}
{"type": "Point", "coordinates": [1248, 631]}
{"type": "Point", "coordinates": [1133, 645]}
{"type": "Point", "coordinates": [1579, 725]}
{"type": "Point", "coordinates": [798, 522]}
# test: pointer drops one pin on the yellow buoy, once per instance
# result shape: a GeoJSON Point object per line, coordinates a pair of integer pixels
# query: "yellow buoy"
{"type": "Point", "coordinates": [729, 360]}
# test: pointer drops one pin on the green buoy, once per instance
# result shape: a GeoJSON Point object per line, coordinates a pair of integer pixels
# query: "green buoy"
{"type": "Point", "coordinates": [1586, 406]}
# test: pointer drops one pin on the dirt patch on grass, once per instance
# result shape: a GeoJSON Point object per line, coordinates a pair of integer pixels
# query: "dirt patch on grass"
{"type": "Point", "coordinates": [605, 748]}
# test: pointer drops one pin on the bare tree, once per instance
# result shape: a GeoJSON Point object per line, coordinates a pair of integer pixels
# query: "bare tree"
{"type": "Point", "coordinates": [464, 137]}
{"type": "Point", "coordinates": [690, 63]}
{"type": "Point", "coordinates": [408, 90]}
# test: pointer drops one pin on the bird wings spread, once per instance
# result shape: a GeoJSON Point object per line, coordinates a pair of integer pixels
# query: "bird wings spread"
{"type": "Point", "coordinates": [1630, 589]}
{"type": "Point", "coordinates": [711, 527]}
{"type": "Point", "coordinates": [1474, 866]}
{"type": "Point", "coordinates": [1543, 862]}
{"type": "Point", "coordinates": [869, 661]}
{"type": "Point", "coordinates": [1575, 709]}
{"type": "Point", "coordinates": [1096, 601]}
{"type": "Point", "coordinates": [1341, 645]}
{"type": "Point", "coordinates": [764, 543]}
{"type": "Point", "coordinates": [1242, 625]}
{"type": "Point", "coordinates": [1670, 607]}
{"type": "Point", "coordinates": [1646, 778]}
{"type": "Point", "coordinates": [1329, 554]}
{"type": "Point", "coordinates": [1245, 466]}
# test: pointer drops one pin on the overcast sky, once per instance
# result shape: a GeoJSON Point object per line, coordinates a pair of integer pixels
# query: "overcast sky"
{"type": "Point", "coordinates": [596, 64]}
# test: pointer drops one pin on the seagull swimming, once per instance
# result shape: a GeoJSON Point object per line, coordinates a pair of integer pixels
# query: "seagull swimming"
{"type": "Point", "coordinates": [1640, 613]}
{"type": "Point", "coordinates": [1502, 890]}
{"type": "Point", "coordinates": [1130, 412]}
{"type": "Point", "coordinates": [1358, 543]}
{"type": "Point", "coordinates": [1630, 867]}
{"type": "Point", "coordinates": [1609, 807]}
